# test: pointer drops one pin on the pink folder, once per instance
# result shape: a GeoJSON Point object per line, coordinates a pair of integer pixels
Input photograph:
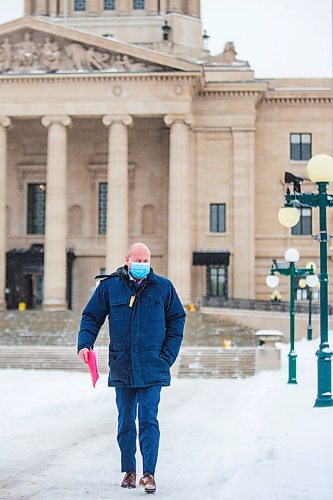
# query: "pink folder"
{"type": "Point", "coordinates": [93, 365]}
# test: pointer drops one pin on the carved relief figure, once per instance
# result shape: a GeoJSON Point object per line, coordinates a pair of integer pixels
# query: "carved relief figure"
{"type": "Point", "coordinates": [37, 52]}
{"type": "Point", "coordinates": [26, 52]}
{"type": "Point", "coordinates": [5, 55]}
{"type": "Point", "coordinates": [50, 55]}
{"type": "Point", "coordinates": [96, 60]}
{"type": "Point", "coordinates": [77, 53]}
{"type": "Point", "coordinates": [87, 58]}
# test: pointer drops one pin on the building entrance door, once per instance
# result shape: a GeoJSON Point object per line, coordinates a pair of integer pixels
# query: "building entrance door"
{"type": "Point", "coordinates": [32, 294]}
{"type": "Point", "coordinates": [25, 277]}
{"type": "Point", "coordinates": [217, 281]}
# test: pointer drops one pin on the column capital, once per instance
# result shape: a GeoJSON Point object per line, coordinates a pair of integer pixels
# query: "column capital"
{"type": "Point", "coordinates": [124, 119]}
{"type": "Point", "coordinates": [171, 119]}
{"type": "Point", "coordinates": [60, 119]}
{"type": "Point", "coordinates": [5, 121]}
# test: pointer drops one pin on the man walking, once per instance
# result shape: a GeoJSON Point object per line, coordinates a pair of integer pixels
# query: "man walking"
{"type": "Point", "coordinates": [146, 324]}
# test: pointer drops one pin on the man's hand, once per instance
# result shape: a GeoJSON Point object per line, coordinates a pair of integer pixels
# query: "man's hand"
{"type": "Point", "coordinates": [83, 354]}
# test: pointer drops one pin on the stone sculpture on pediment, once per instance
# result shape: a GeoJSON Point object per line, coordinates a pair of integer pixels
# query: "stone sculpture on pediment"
{"type": "Point", "coordinates": [50, 55]}
{"type": "Point", "coordinates": [5, 55]}
{"type": "Point", "coordinates": [26, 52]}
{"type": "Point", "coordinates": [83, 58]}
{"type": "Point", "coordinates": [97, 60]}
{"type": "Point", "coordinates": [37, 52]}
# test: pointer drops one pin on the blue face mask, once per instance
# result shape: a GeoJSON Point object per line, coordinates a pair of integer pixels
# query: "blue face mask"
{"type": "Point", "coordinates": [139, 270]}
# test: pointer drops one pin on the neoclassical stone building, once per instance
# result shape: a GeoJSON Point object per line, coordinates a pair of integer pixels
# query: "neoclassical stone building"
{"type": "Point", "coordinates": [117, 125]}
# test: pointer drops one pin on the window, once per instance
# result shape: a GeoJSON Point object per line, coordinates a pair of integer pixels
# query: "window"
{"type": "Point", "coordinates": [138, 4]}
{"type": "Point", "coordinates": [217, 217]}
{"type": "Point", "coordinates": [79, 5]}
{"type": "Point", "coordinates": [109, 4]}
{"type": "Point", "coordinates": [217, 281]}
{"type": "Point", "coordinates": [300, 147]}
{"type": "Point", "coordinates": [304, 225]}
{"type": "Point", "coordinates": [36, 197]}
{"type": "Point", "coordinates": [102, 207]}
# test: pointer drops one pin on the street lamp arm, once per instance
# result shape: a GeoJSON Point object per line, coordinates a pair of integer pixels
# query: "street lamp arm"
{"type": "Point", "coordinates": [303, 272]}
{"type": "Point", "coordinates": [302, 199]}
{"type": "Point", "coordinates": [329, 200]}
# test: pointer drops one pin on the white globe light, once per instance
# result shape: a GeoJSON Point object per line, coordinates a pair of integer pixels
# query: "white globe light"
{"type": "Point", "coordinates": [302, 283]}
{"type": "Point", "coordinates": [312, 280]}
{"type": "Point", "coordinates": [320, 168]}
{"type": "Point", "coordinates": [272, 281]}
{"type": "Point", "coordinates": [292, 255]}
{"type": "Point", "coordinates": [288, 216]}
{"type": "Point", "coordinates": [311, 264]}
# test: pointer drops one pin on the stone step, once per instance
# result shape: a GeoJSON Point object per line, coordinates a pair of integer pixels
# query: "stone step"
{"type": "Point", "coordinates": [206, 362]}
{"type": "Point", "coordinates": [47, 357]}
{"type": "Point", "coordinates": [60, 328]}
{"type": "Point", "coordinates": [193, 362]}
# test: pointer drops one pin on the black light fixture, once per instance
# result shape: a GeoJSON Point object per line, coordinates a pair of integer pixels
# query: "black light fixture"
{"type": "Point", "coordinates": [205, 39]}
{"type": "Point", "coordinates": [166, 31]}
{"type": "Point", "coordinates": [296, 180]}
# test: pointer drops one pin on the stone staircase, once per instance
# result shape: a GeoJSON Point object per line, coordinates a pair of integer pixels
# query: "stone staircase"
{"type": "Point", "coordinates": [47, 340]}
{"type": "Point", "coordinates": [47, 358]}
{"type": "Point", "coordinates": [210, 362]}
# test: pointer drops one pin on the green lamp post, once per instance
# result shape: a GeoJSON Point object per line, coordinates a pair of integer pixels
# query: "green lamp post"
{"type": "Point", "coordinates": [320, 171]}
{"type": "Point", "coordinates": [288, 268]}
{"type": "Point", "coordinates": [303, 284]}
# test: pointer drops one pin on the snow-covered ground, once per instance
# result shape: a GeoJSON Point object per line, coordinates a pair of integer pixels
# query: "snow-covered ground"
{"type": "Point", "coordinates": [251, 439]}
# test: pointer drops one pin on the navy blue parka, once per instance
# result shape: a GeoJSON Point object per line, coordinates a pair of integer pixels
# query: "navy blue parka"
{"type": "Point", "coordinates": [146, 325]}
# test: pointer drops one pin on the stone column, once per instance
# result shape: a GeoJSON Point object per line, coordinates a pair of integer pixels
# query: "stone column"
{"type": "Point", "coordinates": [27, 8]}
{"type": "Point", "coordinates": [117, 210]}
{"type": "Point", "coordinates": [243, 206]}
{"type": "Point", "coordinates": [4, 123]}
{"type": "Point", "coordinates": [56, 213]}
{"type": "Point", "coordinates": [94, 7]}
{"type": "Point", "coordinates": [53, 8]}
{"type": "Point", "coordinates": [151, 7]}
{"type": "Point", "coordinates": [176, 6]}
{"type": "Point", "coordinates": [179, 219]}
{"type": "Point", "coordinates": [40, 7]}
{"type": "Point", "coordinates": [193, 8]}
{"type": "Point", "coordinates": [124, 7]}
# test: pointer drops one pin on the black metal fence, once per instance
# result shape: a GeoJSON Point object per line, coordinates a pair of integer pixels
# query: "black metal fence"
{"type": "Point", "coordinates": [262, 305]}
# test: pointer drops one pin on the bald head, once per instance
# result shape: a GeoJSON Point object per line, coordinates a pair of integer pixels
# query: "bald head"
{"type": "Point", "coordinates": [138, 252]}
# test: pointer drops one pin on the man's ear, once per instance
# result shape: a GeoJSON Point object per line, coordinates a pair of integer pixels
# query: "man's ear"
{"type": "Point", "coordinates": [127, 259]}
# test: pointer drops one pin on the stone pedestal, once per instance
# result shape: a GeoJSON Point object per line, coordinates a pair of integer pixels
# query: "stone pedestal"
{"type": "Point", "coordinates": [4, 123]}
{"type": "Point", "coordinates": [179, 219]}
{"type": "Point", "coordinates": [56, 213]}
{"type": "Point", "coordinates": [268, 356]}
{"type": "Point", "coordinates": [117, 209]}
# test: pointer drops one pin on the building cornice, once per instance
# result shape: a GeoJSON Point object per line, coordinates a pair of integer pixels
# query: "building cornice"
{"type": "Point", "coordinates": [98, 77]}
{"type": "Point", "coordinates": [297, 100]}
{"type": "Point", "coordinates": [229, 93]}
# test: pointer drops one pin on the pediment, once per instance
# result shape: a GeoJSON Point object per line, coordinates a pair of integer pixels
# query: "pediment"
{"type": "Point", "coordinates": [30, 45]}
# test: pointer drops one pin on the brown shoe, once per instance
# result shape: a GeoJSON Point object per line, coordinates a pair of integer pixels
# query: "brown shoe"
{"type": "Point", "coordinates": [129, 480]}
{"type": "Point", "coordinates": [148, 482]}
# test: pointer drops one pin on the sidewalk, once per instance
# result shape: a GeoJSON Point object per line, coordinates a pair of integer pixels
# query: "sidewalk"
{"type": "Point", "coordinates": [246, 439]}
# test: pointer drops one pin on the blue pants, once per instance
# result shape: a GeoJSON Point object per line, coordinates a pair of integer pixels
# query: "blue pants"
{"type": "Point", "coordinates": [143, 400]}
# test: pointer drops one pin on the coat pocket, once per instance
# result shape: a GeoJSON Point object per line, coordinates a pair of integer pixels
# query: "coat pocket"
{"type": "Point", "coordinates": [120, 366]}
{"type": "Point", "coordinates": [120, 325]}
{"type": "Point", "coordinates": [158, 369]}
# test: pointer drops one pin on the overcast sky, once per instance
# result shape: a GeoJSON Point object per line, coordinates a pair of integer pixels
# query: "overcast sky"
{"type": "Point", "coordinates": [279, 38]}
